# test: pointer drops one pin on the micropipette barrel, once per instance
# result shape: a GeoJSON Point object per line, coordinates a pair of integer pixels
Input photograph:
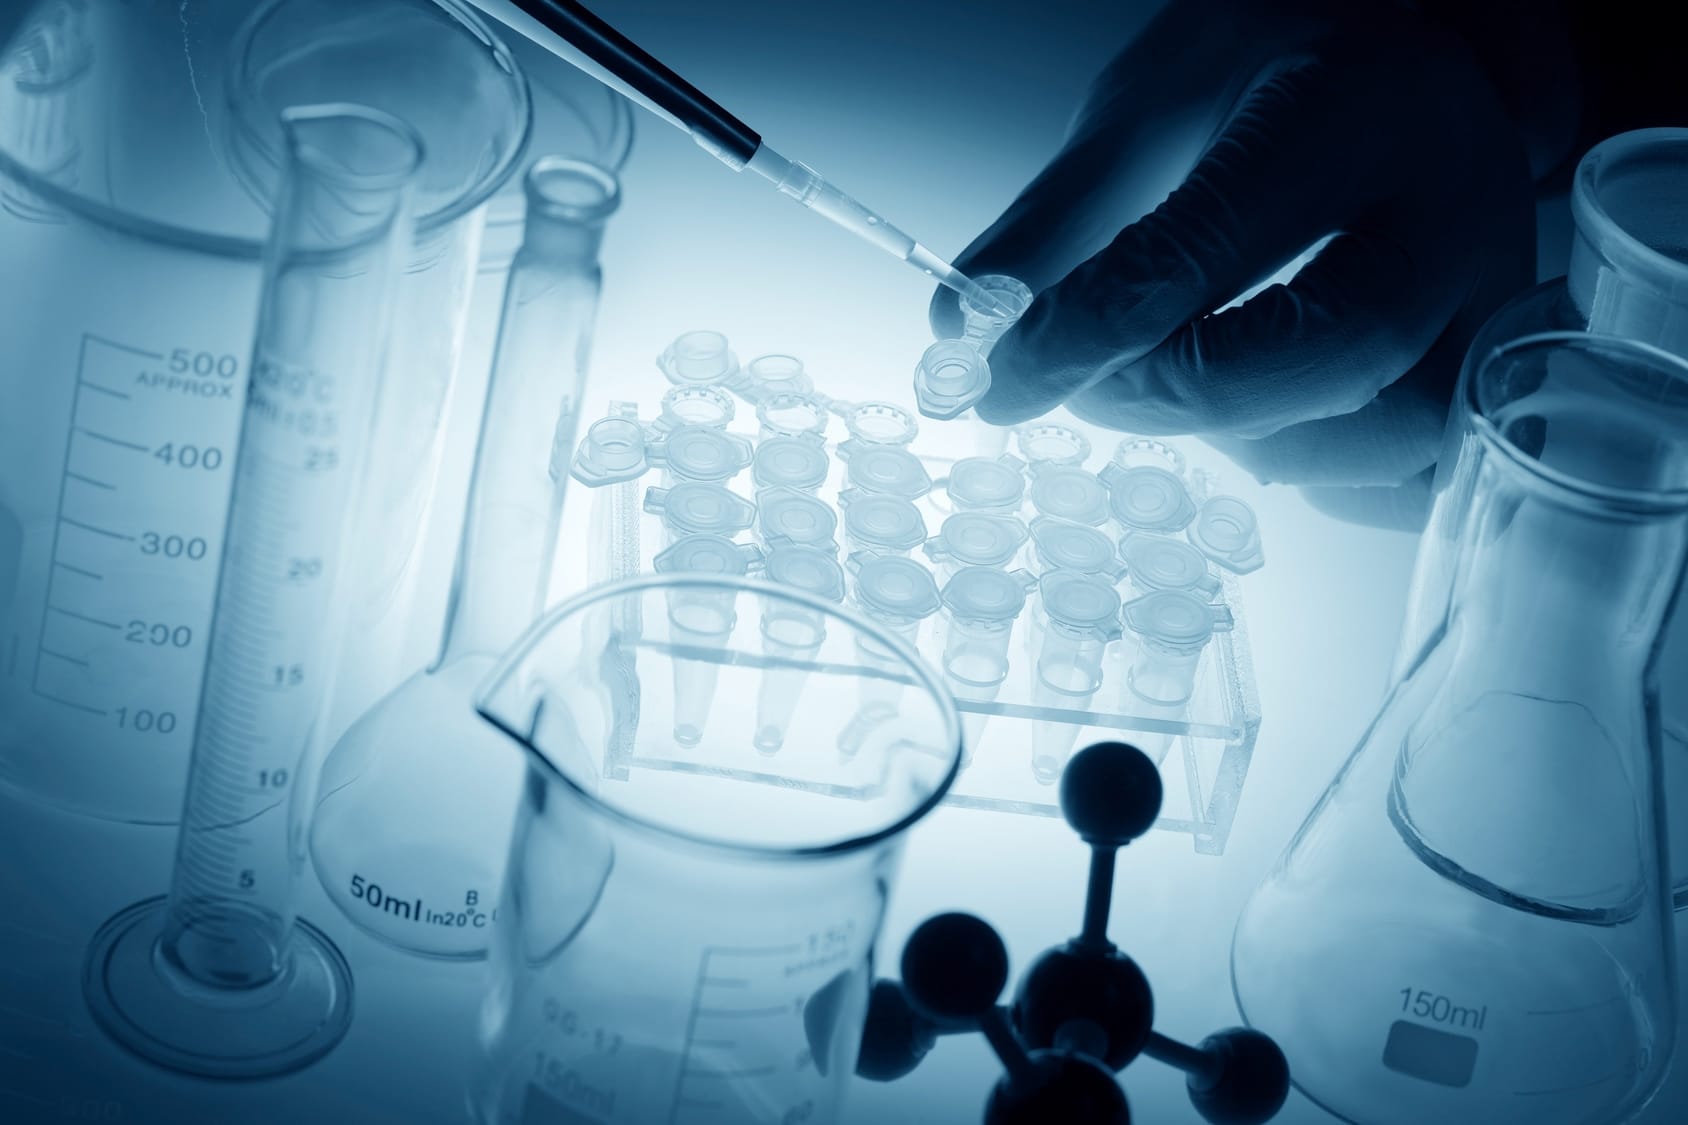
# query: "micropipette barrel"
{"type": "Point", "coordinates": [577, 36]}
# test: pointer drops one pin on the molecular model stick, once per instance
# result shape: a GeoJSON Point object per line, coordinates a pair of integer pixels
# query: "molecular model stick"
{"type": "Point", "coordinates": [1084, 1009]}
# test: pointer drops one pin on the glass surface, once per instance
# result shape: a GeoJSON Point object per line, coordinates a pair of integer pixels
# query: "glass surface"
{"type": "Point", "coordinates": [415, 798]}
{"type": "Point", "coordinates": [680, 944]}
{"type": "Point", "coordinates": [1485, 883]}
{"type": "Point", "coordinates": [217, 979]}
{"type": "Point", "coordinates": [139, 149]}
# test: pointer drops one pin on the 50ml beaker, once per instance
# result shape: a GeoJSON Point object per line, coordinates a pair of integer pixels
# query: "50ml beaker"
{"type": "Point", "coordinates": [680, 945]}
{"type": "Point", "coordinates": [133, 210]}
{"type": "Point", "coordinates": [1474, 922]}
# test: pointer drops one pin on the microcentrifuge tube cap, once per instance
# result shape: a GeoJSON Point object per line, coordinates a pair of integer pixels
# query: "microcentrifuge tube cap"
{"type": "Point", "coordinates": [1080, 601]}
{"type": "Point", "coordinates": [699, 358]}
{"type": "Point", "coordinates": [809, 569]}
{"type": "Point", "coordinates": [1049, 443]}
{"type": "Point", "coordinates": [792, 414]}
{"type": "Point", "coordinates": [950, 377]}
{"type": "Point", "coordinates": [1156, 562]}
{"type": "Point", "coordinates": [700, 507]}
{"type": "Point", "coordinates": [1148, 498]}
{"type": "Point", "coordinates": [790, 462]}
{"type": "Point", "coordinates": [707, 554]}
{"type": "Point", "coordinates": [776, 374]}
{"type": "Point", "coordinates": [696, 406]}
{"type": "Point", "coordinates": [887, 522]}
{"type": "Point", "coordinates": [1175, 617]}
{"type": "Point", "coordinates": [986, 484]}
{"type": "Point", "coordinates": [786, 515]}
{"type": "Point", "coordinates": [878, 423]}
{"type": "Point", "coordinates": [984, 593]}
{"type": "Point", "coordinates": [702, 453]}
{"type": "Point", "coordinates": [977, 539]}
{"type": "Point", "coordinates": [1134, 451]}
{"type": "Point", "coordinates": [1227, 532]}
{"type": "Point", "coordinates": [1073, 546]}
{"type": "Point", "coordinates": [1069, 493]}
{"type": "Point", "coordinates": [890, 470]}
{"type": "Point", "coordinates": [894, 586]}
{"type": "Point", "coordinates": [612, 451]}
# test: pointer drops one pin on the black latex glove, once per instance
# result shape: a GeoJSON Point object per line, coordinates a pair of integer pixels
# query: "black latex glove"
{"type": "Point", "coordinates": [1273, 124]}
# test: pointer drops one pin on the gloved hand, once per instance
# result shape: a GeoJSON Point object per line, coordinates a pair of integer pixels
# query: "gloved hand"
{"type": "Point", "coordinates": [1273, 125]}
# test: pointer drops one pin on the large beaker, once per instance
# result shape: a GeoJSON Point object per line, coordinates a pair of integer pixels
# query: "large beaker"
{"type": "Point", "coordinates": [140, 145]}
{"type": "Point", "coordinates": [680, 945]}
{"type": "Point", "coordinates": [1474, 922]}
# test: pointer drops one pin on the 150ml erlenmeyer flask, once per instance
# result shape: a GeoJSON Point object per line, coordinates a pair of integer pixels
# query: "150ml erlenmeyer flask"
{"type": "Point", "coordinates": [140, 145]}
{"type": "Point", "coordinates": [683, 946]}
{"type": "Point", "coordinates": [1628, 276]}
{"type": "Point", "coordinates": [1474, 922]}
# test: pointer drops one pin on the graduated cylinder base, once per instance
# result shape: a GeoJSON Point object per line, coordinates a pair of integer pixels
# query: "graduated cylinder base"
{"type": "Point", "coordinates": [152, 1009]}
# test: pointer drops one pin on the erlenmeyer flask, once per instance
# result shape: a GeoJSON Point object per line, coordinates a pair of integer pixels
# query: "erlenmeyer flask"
{"type": "Point", "coordinates": [1473, 924]}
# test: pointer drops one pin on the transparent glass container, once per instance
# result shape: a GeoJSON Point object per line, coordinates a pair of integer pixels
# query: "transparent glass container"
{"type": "Point", "coordinates": [1628, 276]}
{"type": "Point", "coordinates": [1485, 884]}
{"type": "Point", "coordinates": [683, 945]}
{"type": "Point", "coordinates": [140, 150]}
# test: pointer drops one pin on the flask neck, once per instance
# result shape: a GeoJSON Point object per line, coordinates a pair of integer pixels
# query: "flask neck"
{"type": "Point", "coordinates": [532, 412]}
{"type": "Point", "coordinates": [1628, 274]}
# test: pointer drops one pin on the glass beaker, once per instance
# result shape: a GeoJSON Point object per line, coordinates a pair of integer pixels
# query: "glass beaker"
{"type": "Point", "coordinates": [137, 163]}
{"type": "Point", "coordinates": [1481, 896]}
{"type": "Point", "coordinates": [686, 946]}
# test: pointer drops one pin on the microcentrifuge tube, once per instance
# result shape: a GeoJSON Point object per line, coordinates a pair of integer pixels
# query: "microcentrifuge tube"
{"type": "Point", "coordinates": [769, 375]}
{"type": "Point", "coordinates": [950, 377]}
{"type": "Point", "coordinates": [416, 795]}
{"type": "Point", "coordinates": [1226, 531]}
{"type": "Point", "coordinates": [785, 516]}
{"type": "Point", "coordinates": [897, 594]}
{"type": "Point", "coordinates": [791, 462]}
{"type": "Point", "coordinates": [1081, 613]}
{"type": "Point", "coordinates": [980, 604]}
{"type": "Point", "coordinates": [1147, 498]}
{"type": "Point", "coordinates": [792, 633]}
{"type": "Point", "coordinates": [701, 453]}
{"type": "Point", "coordinates": [221, 978]}
{"type": "Point", "coordinates": [792, 414]}
{"type": "Point", "coordinates": [889, 470]}
{"type": "Point", "coordinates": [975, 539]}
{"type": "Point", "coordinates": [1068, 493]}
{"type": "Point", "coordinates": [877, 423]}
{"type": "Point", "coordinates": [1051, 443]}
{"type": "Point", "coordinates": [1158, 562]}
{"type": "Point", "coordinates": [881, 525]}
{"type": "Point", "coordinates": [701, 620]}
{"type": "Point", "coordinates": [1132, 452]}
{"type": "Point", "coordinates": [700, 507]}
{"type": "Point", "coordinates": [982, 325]}
{"type": "Point", "coordinates": [700, 358]}
{"type": "Point", "coordinates": [1170, 630]}
{"type": "Point", "coordinates": [700, 405]}
{"type": "Point", "coordinates": [1059, 545]}
{"type": "Point", "coordinates": [986, 484]}
{"type": "Point", "coordinates": [613, 450]}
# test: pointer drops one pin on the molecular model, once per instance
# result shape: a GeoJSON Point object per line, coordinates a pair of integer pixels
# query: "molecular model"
{"type": "Point", "coordinates": [1084, 1009]}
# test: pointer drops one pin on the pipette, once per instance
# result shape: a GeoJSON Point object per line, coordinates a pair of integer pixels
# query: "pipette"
{"type": "Point", "coordinates": [573, 34]}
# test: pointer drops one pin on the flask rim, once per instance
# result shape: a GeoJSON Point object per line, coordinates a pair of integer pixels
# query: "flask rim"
{"type": "Point", "coordinates": [1607, 234]}
{"type": "Point", "coordinates": [1565, 486]}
